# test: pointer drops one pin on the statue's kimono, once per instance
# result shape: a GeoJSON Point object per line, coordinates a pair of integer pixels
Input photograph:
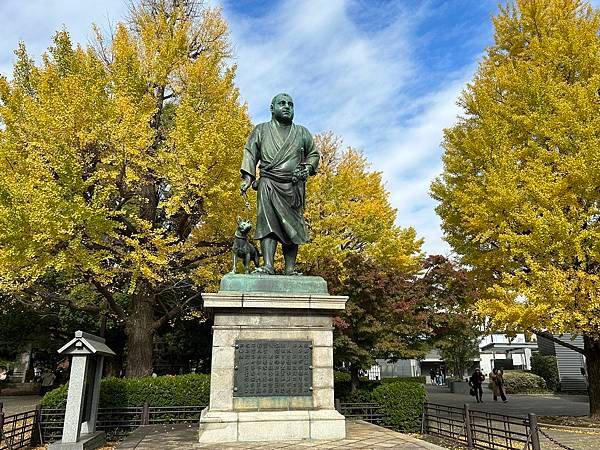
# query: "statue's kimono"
{"type": "Point", "coordinates": [280, 202]}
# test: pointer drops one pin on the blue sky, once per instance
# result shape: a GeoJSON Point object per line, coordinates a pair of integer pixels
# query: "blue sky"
{"type": "Point", "coordinates": [382, 74]}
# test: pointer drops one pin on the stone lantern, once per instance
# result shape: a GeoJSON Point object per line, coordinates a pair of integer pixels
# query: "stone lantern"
{"type": "Point", "coordinates": [87, 354]}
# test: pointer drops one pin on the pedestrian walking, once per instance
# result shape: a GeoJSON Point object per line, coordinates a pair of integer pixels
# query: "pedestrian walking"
{"type": "Point", "coordinates": [48, 378]}
{"type": "Point", "coordinates": [475, 382]}
{"type": "Point", "coordinates": [497, 378]}
{"type": "Point", "coordinates": [432, 375]}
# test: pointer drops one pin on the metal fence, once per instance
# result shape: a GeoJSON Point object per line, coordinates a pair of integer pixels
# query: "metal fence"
{"type": "Point", "coordinates": [474, 429]}
{"type": "Point", "coordinates": [369, 412]}
{"type": "Point", "coordinates": [481, 430]}
{"type": "Point", "coordinates": [18, 430]}
{"type": "Point", "coordinates": [119, 422]}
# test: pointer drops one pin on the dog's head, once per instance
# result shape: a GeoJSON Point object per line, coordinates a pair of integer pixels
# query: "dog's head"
{"type": "Point", "coordinates": [243, 226]}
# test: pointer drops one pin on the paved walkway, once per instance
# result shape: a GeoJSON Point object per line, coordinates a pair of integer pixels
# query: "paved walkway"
{"type": "Point", "coordinates": [359, 435]}
{"type": "Point", "coordinates": [542, 405]}
{"type": "Point", "coordinates": [518, 405]}
{"type": "Point", "coordinates": [19, 403]}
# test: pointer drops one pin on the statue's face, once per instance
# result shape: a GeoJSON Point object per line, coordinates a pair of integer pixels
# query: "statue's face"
{"type": "Point", "coordinates": [282, 108]}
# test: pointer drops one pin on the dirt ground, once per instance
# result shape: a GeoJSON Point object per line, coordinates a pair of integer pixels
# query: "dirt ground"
{"type": "Point", "coordinates": [569, 421]}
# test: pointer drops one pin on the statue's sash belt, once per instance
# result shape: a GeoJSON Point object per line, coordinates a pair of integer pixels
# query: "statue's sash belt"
{"type": "Point", "coordinates": [266, 174]}
{"type": "Point", "coordinates": [297, 188]}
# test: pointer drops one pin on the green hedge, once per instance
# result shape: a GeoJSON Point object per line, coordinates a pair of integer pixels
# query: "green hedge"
{"type": "Point", "coordinates": [343, 386]}
{"type": "Point", "coordinates": [402, 404]}
{"type": "Point", "coordinates": [420, 379]}
{"type": "Point", "coordinates": [519, 382]}
{"type": "Point", "coordinates": [546, 367]}
{"type": "Point", "coordinates": [401, 398]}
{"type": "Point", "coordinates": [180, 390]}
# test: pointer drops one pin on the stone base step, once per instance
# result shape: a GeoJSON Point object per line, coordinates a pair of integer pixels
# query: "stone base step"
{"type": "Point", "coordinates": [221, 426]}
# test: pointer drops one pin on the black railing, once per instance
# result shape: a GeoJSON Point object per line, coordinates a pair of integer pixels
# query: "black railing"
{"type": "Point", "coordinates": [474, 429]}
{"type": "Point", "coordinates": [481, 430]}
{"type": "Point", "coordinates": [445, 421]}
{"type": "Point", "coordinates": [119, 422]}
{"type": "Point", "coordinates": [369, 412]}
{"type": "Point", "coordinates": [18, 430]}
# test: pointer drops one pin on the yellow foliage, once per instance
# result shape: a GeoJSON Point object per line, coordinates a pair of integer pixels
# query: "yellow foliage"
{"type": "Point", "coordinates": [120, 163]}
{"type": "Point", "coordinates": [519, 193]}
{"type": "Point", "coordinates": [348, 210]}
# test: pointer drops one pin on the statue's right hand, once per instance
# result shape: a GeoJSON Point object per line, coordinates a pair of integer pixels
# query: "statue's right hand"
{"type": "Point", "coordinates": [244, 186]}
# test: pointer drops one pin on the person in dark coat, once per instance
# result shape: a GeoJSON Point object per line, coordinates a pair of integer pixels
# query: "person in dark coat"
{"type": "Point", "coordinates": [497, 378]}
{"type": "Point", "coordinates": [475, 382]}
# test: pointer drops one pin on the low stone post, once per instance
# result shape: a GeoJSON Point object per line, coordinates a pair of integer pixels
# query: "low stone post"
{"type": "Point", "coordinates": [1, 426]}
{"type": "Point", "coordinates": [87, 358]}
{"type": "Point", "coordinates": [468, 429]}
{"type": "Point", "coordinates": [534, 432]}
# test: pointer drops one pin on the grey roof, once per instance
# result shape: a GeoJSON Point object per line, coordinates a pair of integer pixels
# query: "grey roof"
{"type": "Point", "coordinates": [508, 347]}
{"type": "Point", "coordinates": [86, 344]}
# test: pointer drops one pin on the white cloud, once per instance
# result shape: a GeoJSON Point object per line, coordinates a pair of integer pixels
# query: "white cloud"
{"type": "Point", "coordinates": [356, 83]}
{"type": "Point", "coordinates": [36, 21]}
{"type": "Point", "coordinates": [410, 159]}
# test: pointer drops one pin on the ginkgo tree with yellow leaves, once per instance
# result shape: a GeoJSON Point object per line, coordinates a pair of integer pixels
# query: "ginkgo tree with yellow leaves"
{"type": "Point", "coordinates": [520, 191]}
{"type": "Point", "coordinates": [119, 167]}
{"type": "Point", "coordinates": [348, 210]}
{"type": "Point", "coordinates": [359, 249]}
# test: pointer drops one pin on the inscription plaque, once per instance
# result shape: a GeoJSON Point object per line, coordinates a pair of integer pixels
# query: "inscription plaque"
{"type": "Point", "coordinates": [265, 368]}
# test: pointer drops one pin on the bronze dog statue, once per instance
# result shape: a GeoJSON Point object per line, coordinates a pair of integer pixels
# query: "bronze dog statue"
{"type": "Point", "coordinates": [242, 247]}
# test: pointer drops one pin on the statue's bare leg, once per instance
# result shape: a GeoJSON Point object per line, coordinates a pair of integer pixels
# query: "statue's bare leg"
{"type": "Point", "coordinates": [268, 245]}
{"type": "Point", "coordinates": [290, 252]}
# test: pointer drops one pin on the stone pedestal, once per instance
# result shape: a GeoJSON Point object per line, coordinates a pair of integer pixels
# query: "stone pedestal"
{"type": "Point", "coordinates": [279, 309]}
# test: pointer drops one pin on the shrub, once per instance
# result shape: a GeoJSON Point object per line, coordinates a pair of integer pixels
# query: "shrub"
{"type": "Point", "coordinates": [420, 379]}
{"type": "Point", "coordinates": [56, 398]}
{"type": "Point", "coordinates": [361, 395]}
{"type": "Point", "coordinates": [402, 404]}
{"type": "Point", "coordinates": [340, 376]}
{"type": "Point", "coordinates": [546, 367]}
{"type": "Point", "coordinates": [342, 385]}
{"type": "Point", "coordinates": [180, 390]}
{"type": "Point", "coordinates": [519, 382]}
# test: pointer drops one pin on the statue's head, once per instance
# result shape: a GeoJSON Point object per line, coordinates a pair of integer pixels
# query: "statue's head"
{"type": "Point", "coordinates": [282, 108]}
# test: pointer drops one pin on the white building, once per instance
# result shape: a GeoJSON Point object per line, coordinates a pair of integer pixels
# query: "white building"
{"type": "Point", "coordinates": [495, 350]}
{"type": "Point", "coordinates": [498, 350]}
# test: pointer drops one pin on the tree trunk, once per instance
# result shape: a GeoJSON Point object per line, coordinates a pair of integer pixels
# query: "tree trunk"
{"type": "Point", "coordinates": [592, 358]}
{"type": "Point", "coordinates": [354, 377]}
{"type": "Point", "coordinates": [140, 336]}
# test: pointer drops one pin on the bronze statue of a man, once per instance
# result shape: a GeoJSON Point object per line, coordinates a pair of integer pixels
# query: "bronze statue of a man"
{"type": "Point", "coordinates": [286, 156]}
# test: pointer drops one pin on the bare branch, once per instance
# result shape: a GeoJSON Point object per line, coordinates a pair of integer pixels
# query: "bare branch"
{"type": "Point", "coordinates": [221, 249]}
{"type": "Point", "coordinates": [52, 297]}
{"type": "Point", "coordinates": [173, 312]}
{"type": "Point", "coordinates": [113, 305]}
